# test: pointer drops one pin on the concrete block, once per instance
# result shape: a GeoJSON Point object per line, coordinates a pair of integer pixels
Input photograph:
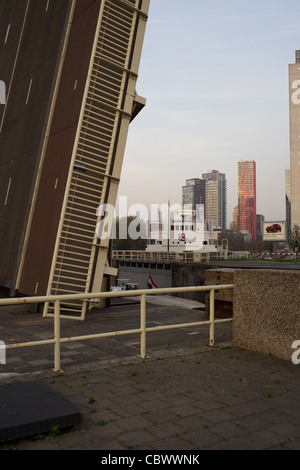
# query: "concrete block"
{"type": "Point", "coordinates": [266, 316]}
{"type": "Point", "coordinates": [31, 408]}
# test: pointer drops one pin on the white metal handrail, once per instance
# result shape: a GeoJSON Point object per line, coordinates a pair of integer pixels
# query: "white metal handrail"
{"type": "Point", "coordinates": [57, 299]}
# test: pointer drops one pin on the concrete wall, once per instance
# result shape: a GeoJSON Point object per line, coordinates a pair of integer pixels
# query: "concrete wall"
{"type": "Point", "coordinates": [189, 275]}
{"type": "Point", "coordinates": [200, 274]}
{"type": "Point", "coordinates": [223, 298]}
{"type": "Point", "coordinates": [266, 315]}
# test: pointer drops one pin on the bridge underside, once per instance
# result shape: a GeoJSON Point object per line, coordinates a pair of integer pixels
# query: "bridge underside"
{"type": "Point", "coordinates": [63, 137]}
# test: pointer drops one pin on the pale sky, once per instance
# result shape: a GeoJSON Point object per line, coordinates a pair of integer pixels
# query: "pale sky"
{"type": "Point", "coordinates": [215, 77]}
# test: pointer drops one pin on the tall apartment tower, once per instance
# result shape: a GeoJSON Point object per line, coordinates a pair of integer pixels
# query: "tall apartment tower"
{"type": "Point", "coordinates": [259, 226]}
{"type": "Point", "coordinates": [216, 199]}
{"type": "Point", "coordinates": [70, 69]}
{"type": "Point", "coordinates": [294, 111]}
{"type": "Point", "coordinates": [247, 197]}
{"type": "Point", "coordinates": [193, 193]}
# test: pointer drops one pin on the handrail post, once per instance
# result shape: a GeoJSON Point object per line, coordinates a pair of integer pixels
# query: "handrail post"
{"type": "Point", "coordinates": [212, 318]}
{"type": "Point", "coordinates": [143, 326]}
{"type": "Point", "coordinates": [57, 336]}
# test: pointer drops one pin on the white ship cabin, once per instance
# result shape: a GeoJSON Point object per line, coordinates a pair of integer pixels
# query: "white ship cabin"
{"type": "Point", "coordinates": [180, 237]}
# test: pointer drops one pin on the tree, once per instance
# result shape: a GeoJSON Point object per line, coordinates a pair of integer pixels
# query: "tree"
{"type": "Point", "coordinates": [131, 234]}
{"type": "Point", "coordinates": [295, 237]}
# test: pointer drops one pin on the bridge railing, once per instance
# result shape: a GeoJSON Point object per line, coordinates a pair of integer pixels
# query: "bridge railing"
{"type": "Point", "coordinates": [162, 257]}
{"type": "Point", "coordinates": [57, 340]}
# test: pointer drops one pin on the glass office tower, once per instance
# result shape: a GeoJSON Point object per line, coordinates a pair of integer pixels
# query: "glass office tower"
{"type": "Point", "coordinates": [193, 193]}
{"type": "Point", "coordinates": [216, 199]}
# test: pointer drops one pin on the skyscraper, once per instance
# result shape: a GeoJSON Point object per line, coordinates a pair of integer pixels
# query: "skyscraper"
{"type": "Point", "coordinates": [193, 193]}
{"type": "Point", "coordinates": [216, 198]}
{"type": "Point", "coordinates": [294, 111]}
{"type": "Point", "coordinates": [247, 197]}
{"type": "Point", "coordinates": [259, 226]}
{"type": "Point", "coordinates": [70, 68]}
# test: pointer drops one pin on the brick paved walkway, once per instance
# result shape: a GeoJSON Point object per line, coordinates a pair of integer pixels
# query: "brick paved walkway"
{"type": "Point", "coordinates": [195, 399]}
{"type": "Point", "coordinates": [185, 396]}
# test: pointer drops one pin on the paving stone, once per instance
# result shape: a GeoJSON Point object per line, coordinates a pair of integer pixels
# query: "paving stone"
{"type": "Point", "coordinates": [251, 423]}
{"type": "Point", "coordinates": [133, 423]}
{"type": "Point", "coordinates": [227, 430]}
{"type": "Point", "coordinates": [130, 410]}
{"type": "Point", "coordinates": [182, 411]}
{"type": "Point", "coordinates": [216, 416]}
{"type": "Point", "coordinates": [159, 415]}
{"type": "Point", "coordinates": [201, 438]}
{"type": "Point", "coordinates": [265, 439]}
{"type": "Point", "coordinates": [165, 430]}
{"type": "Point", "coordinates": [237, 443]}
{"type": "Point", "coordinates": [286, 430]}
{"type": "Point", "coordinates": [211, 404]}
{"type": "Point", "coordinates": [172, 443]}
{"type": "Point", "coordinates": [40, 362]}
{"type": "Point", "coordinates": [136, 439]}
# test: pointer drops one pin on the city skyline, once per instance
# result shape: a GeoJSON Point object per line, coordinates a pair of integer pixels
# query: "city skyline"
{"type": "Point", "coordinates": [216, 82]}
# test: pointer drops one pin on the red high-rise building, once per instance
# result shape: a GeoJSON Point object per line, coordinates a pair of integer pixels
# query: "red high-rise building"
{"type": "Point", "coordinates": [247, 197]}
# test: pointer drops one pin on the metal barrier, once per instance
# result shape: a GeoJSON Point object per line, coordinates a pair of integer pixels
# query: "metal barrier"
{"type": "Point", "coordinates": [164, 257]}
{"type": "Point", "coordinates": [57, 340]}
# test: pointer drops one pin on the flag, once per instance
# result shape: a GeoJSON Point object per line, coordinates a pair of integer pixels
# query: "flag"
{"type": "Point", "coordinates": [151, 284]}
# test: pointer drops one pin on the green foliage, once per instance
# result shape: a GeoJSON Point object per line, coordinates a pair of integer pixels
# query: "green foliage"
{"type": "Point", "coordinates": [54, 431]}
{"type": "Point", "coordinates": [123, 241]}
{"type": "Point", "coordinates": [295, 237]}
